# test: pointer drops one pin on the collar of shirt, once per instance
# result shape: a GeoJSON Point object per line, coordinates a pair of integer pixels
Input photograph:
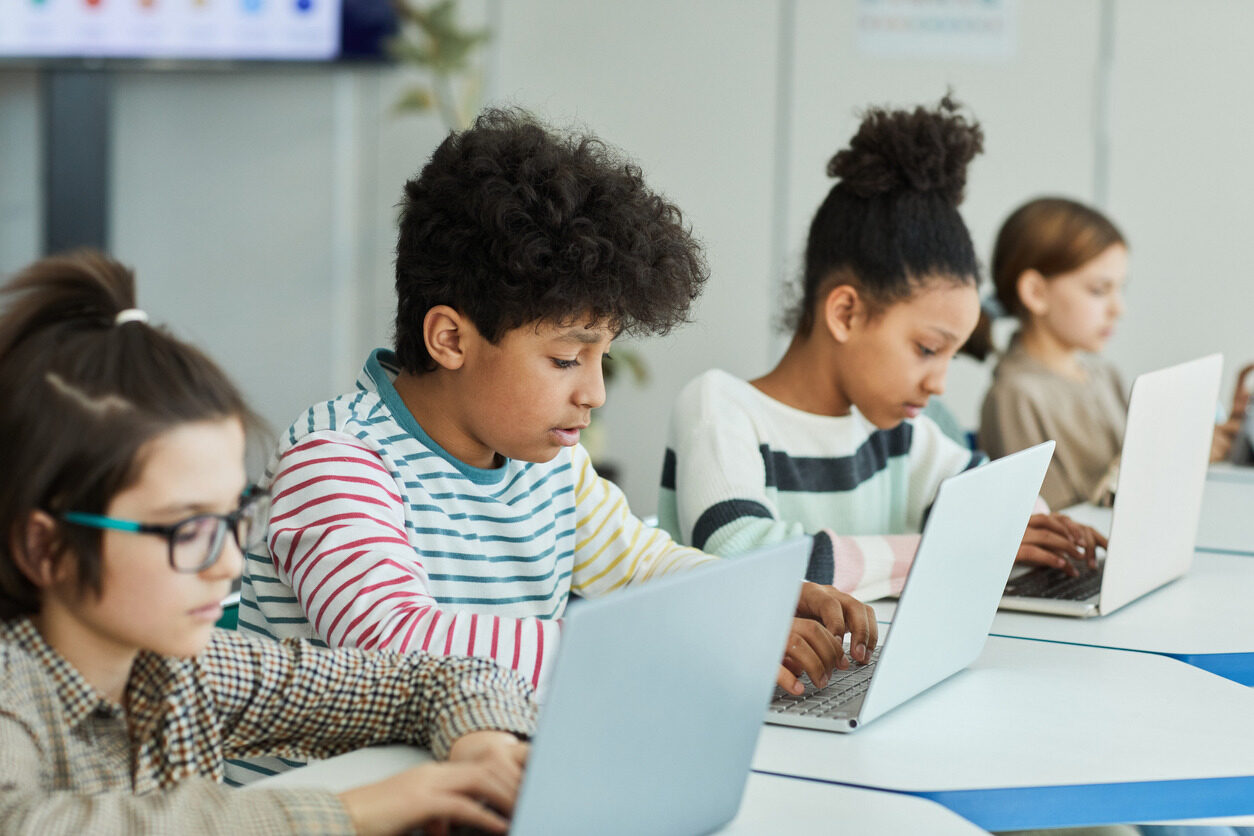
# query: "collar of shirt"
{"type": "Point", "coordinates": [77, 696]}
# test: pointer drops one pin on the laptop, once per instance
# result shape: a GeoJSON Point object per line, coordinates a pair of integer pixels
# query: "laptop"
{"type": "Point", "coordinates": [947, 604]}
{"type": "Point", "coordinates": [1158, 499]}
{"type": "Point", "coordinates": [655, 704]}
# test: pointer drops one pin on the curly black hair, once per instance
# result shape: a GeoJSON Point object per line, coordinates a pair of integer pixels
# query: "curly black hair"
{"type": "Point", "coordinates": [891, 221]}
{"type": "Point", "coordinates": [512, 223]}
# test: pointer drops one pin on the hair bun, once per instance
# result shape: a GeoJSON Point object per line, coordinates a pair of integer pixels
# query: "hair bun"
{"type": "Point", "coordinates": [900, 150]}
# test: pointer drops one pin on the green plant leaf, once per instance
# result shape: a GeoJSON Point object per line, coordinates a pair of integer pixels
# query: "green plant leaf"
{"type": "Point", "coordinates": [432, 40]}
{"type": "Point", "coordinates": [416, 98]}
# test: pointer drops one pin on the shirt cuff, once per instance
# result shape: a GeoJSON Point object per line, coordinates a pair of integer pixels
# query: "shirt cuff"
{"type": "Point", "coordinates": [490, 698]}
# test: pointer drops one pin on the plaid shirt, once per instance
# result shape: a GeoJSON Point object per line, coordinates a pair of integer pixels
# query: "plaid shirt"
{"type": "Point", "coordinates": [68, 763]}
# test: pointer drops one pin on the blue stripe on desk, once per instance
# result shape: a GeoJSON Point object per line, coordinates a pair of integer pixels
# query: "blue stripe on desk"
{"type": "Point", "coordinates": [1239, 552]}
{"type": "Point", "coordinates": [1076, 805]}
{"type": "Point", "coordinates": [1239, 667]}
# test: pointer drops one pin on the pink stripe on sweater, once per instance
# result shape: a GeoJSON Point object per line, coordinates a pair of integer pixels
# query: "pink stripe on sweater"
{"type": "Point", "coordinates": [436, 617]}
{"type": "Point", "coordinates": [448, 637]}
{"type": "Point", "coordinates": [535, 674]}
{"type": "Point", "coordinates": [310, 444]}
{"type": "Point", "coordinates": [850, 563]}
{"type": "Point", "coordinates": [404, 577]}
{"type": "Point", "coordinates": [325, 498]}
{"type": "Point", "coordinates": [372, 626]}
{"type": "Point", "coordinates": [371, 460]}
{"type": "Point", "coordinates": [337, 478]}
{"type": "Point", "coordinates": [404, 616]}
{"type": "Point", "coordinates": [414, 620]}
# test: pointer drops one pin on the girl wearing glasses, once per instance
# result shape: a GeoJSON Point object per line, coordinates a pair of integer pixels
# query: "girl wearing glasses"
{"type": "Point", "coordinates": [124, 510]}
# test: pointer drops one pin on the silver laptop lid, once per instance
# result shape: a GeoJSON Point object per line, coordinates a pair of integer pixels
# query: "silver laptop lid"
{"type": "Point", "coordinates": [957, 577]}
{"type": "Point", "coordinates": [1162, 473]}
{"type": "Point", "coordinates": [656, 700]}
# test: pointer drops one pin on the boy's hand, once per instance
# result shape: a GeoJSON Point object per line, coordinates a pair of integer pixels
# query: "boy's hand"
{"type": "Point", "coordinates": [489, 744]}
{"type": "Point", "coordinates": [1060, 542]}
{"type": "Point", "coordinates": [815, 645]}
{"type": "Point", "coordinates": [477, 787]}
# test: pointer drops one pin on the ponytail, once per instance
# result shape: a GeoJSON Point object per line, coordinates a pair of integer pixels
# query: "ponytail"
{"type": "Point", "coordinates": [85, 383]}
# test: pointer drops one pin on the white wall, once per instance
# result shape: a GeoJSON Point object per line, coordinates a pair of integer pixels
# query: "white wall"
{"type": "Point", "coordinates": [258, 204]}
{"type": "Point", "coordinates": [1182, 181]}
{"type": "Point", "coordinates": [257, 208]}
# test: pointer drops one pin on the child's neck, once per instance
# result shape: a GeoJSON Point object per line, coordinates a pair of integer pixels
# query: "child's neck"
{"type": "Point", "coordinates": [1047, 349]}
{"type": "Point", "coordinates": [797, 381]}
{"type": "Point", "coordinates": [437, 410]}
{"type": "Point", "coordinates": [103, 662]}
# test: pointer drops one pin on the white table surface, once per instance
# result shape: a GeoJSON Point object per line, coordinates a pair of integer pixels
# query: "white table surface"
{"type": "Point", "coordinates": [1227, 521]}
{"type": "Point", "coordinates": [771, 803]}
{"type": "Point", "coordinates": [1209, 610]}
{"type": "Point", "coordinates": [1030, 714]}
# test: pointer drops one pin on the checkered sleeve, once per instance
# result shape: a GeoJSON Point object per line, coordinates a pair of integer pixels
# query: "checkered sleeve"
{"type": "Point", "coordinates": [37, 765]}
{"type": "Point", "coordinates": [293, 699]}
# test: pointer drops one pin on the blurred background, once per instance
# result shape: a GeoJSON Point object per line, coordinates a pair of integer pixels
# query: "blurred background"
{"type": "Point", "coordinates": [257, 200]}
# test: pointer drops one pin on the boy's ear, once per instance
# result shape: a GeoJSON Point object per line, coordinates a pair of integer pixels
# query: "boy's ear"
{"type": "Point", "coordinates": [842, 310]}
{"type": "Point", "coordinates": [444, 331]}
{"type": "Point", "coordinates": [1031, 289]}
{"type": "Point", "coordinates": [36, 551]}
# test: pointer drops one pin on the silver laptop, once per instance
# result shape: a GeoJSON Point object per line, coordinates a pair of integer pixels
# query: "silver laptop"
{"type": "Point", "coordinates": [949, 600]}
{"type": "Point", "coordinates": [1158, 499]}
{"type": "Point", "coordinates": [655, 705]}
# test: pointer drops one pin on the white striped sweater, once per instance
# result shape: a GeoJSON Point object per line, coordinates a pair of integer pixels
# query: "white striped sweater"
{"type": "Point", "coordinates": [378, 538]}
{"type": "Point", "coordinates": [744, 470]}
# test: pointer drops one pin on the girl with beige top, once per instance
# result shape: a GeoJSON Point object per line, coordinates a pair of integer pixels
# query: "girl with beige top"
{"type": "Point", "coordinates": [1060, 268]}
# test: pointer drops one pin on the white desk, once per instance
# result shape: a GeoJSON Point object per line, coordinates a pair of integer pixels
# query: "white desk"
{"type": "Point", "coordinates": [771, 804]}
{"type": "Point", "coordinates": [1037, 734]}
{"type": "Point", "coordinates": [1227, 522]}
{"type": "Point", "coordinates": [1205, 618]}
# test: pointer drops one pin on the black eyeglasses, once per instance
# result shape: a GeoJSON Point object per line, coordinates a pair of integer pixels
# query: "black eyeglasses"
{"type": "Point", "coordinates": [196, 542]}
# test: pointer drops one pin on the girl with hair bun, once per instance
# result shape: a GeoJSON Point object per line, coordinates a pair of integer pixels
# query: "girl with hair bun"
{"type": "Point", "coordinates": [1059, 267]}
{"type": "Point", "coordinates": [124, 511]}
{"type": "Point", "coordinates": [833, 442]}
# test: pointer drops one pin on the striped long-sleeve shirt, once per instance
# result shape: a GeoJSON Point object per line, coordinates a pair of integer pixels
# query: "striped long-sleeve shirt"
{"type": "Point", "coordinates": [743, 470]}
{"type": "Point", "coordinates": [378, 538]}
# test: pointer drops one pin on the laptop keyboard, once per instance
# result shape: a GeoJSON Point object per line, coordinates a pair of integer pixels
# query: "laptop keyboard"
{"type": "Point", "coordinates": [844, 688]}
{"type": "Point", "coordinates": [1044, 582]}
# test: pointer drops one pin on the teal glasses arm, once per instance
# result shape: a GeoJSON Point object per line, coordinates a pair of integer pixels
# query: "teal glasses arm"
{"type": "Point", "coordinates": [98, 521]}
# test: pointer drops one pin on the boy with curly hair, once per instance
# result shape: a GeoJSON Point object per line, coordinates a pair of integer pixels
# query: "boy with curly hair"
{"type": "Point", "coordinates": [446, 505]}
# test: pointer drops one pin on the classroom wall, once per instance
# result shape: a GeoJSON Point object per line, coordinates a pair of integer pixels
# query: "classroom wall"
{"type": "Point", "coordinates": [1182, 182]}
{"type": "Point", "coordinates": [21, 202]}
{"type": "Point", "coordinates": [258, 204]}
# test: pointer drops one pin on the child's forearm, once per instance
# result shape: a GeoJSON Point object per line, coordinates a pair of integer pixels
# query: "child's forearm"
{"type": "Point", "coordinates": [311, 702]}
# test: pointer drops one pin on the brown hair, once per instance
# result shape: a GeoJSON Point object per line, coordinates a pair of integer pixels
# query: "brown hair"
{"type": "Point", "coordinates": [80, 397]}
{"type": "Point", "coordinates": [1051, 235]}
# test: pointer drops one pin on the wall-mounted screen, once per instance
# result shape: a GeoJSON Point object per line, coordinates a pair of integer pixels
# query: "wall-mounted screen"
{"type": "Point", "coordinates": [267, 30]}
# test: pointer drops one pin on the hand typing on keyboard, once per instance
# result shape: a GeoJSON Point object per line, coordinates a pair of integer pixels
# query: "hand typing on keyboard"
{"type": "Point", "coordinates": [1060, 542]}
{"type": "Point", "coordinates": [816, 642]}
